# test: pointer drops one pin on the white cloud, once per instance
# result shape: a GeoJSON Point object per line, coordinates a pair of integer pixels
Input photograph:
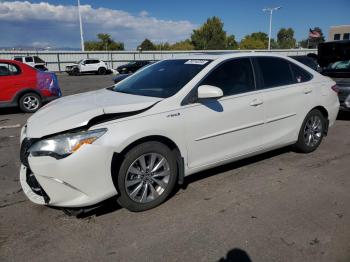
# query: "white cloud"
{"type": "Point", "coordinates": [120, 24]}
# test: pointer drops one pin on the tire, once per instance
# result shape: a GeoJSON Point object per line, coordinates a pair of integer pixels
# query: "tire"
{"type": "Point", "coordinates": [30, 102]}
{"type": "Point", "coordinates": [311, 132]}
{"type": "Point", "coordinates": [101, 71]}
{"type": "Point", "coordinates": [140, 188]}
{"type": "Point", "coordinates": [76, 72]}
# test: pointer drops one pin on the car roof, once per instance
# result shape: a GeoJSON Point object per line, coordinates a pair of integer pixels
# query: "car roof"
{"type": "Point", "coordinates": [223, 56]}
{"type": "Point", "coordinates": [10, 61]}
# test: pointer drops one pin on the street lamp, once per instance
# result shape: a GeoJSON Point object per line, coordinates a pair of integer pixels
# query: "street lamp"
{"type": "Point", "coordinates": [270, 10]}
{"type": "Point", "coordinates": [81, 28]}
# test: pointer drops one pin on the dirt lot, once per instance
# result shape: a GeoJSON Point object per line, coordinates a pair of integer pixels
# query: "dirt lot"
{"type": "Point", "coordinates": [280, 206]}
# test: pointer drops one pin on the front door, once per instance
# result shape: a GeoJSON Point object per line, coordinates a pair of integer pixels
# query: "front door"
{"type": "Point", "coordinates": [228, 127]}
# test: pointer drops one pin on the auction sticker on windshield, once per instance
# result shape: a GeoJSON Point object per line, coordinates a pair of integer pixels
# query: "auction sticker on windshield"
{"type": "Point", "coordinates": [196, 62]}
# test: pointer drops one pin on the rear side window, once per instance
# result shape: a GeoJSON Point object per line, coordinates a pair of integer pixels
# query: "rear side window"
{"type": "Point", "coordinates": [29, 59]}
{"type": "Point", "coordinates": [19, 59]}
{"type": "Point", "coordinates": [38, 60]}
{"type": "Point", "coordinates": [300, 75]}
{"type": "Point", "coordinates": [9, 69]}
{"type": "Point", "coordinates": [275, 71]}
{"type": "Point", "coordinates": [233, 77]}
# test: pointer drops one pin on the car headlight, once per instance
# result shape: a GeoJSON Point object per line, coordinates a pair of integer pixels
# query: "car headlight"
{"type": "Point", "coordinates": [63, 145]}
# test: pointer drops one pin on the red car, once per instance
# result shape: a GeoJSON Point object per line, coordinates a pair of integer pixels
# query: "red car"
{"type": "Point", "coordinates": [24, 86]}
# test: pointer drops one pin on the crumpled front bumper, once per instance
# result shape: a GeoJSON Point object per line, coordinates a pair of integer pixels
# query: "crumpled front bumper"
{"type": "Point", "coordinates": [79, 180]}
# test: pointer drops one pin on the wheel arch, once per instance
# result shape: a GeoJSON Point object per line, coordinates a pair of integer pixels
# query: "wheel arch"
{"type": "Point", "coordinates": [22, 92]}
{"type": "Point", "coordinates": [118, 157]}
{"type": "Point", "coordinates": [324, 112]}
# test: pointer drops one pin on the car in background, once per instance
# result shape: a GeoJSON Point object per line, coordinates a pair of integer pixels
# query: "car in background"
{"type": "Point", "coordinates": [33, 61]}
{"type": "Point", "coordinates": [141, 137]}
{"type": "Point", "coordinates": [23, 86]}
{"type": "Point", "coordinates": [120, 77]}
{"type": "Point", "coordinates": [87, 66]}
{"type": "Point", "coordinates": [133, 66]}
{"type": "Point", "coordinates": [344, 93]}
{"type": "Point", "coordinates": [334, 58]}
{"type": "Point", "coordinates": [339, 69]}
{"type": "Point", "coordinates": [308, 61]}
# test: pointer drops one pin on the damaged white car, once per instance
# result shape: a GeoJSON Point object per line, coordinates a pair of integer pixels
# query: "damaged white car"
{"type": "Point", "coordinates": [138, 139]}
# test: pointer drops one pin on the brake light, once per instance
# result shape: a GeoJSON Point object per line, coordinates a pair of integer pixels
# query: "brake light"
{"type": "Point", "coordinates": [335, 88]}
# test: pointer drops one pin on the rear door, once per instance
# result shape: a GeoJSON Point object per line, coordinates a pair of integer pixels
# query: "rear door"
{"type": "Point", "coordinates": [287, 97]}
{"type": "Point", "coordinates": [220, 129]}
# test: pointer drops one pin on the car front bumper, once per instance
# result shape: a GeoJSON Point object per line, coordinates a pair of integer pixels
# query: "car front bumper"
{"type": "Point", "coordinates": [79, 180]}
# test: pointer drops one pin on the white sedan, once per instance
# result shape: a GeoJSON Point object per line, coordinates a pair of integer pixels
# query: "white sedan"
{"type": "Point", "coordinates": [136, 140]}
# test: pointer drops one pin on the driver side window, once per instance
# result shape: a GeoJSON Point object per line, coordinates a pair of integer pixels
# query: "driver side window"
{"type": "Point", "coordinates": [233, 77]}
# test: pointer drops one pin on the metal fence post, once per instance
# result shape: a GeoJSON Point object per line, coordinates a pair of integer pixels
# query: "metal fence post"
{"type": "Point", "coordinates": [58, 62]}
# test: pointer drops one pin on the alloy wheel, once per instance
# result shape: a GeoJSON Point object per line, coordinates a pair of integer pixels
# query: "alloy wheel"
{"type": "Point", "coordinates": [31, 103]}
{"type": "Point", "coordinates": [147, 177]}
{"type": "Point", "coordinates": [313, 131]}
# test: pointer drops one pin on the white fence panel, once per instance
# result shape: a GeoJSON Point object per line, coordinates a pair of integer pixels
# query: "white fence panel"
{"type": "Point", "coordinates": [58, 60]}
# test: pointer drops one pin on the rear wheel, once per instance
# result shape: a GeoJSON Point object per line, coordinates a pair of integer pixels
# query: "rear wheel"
{"type": "Point", "coordinates": [311, 132]}
{"type": "Point", "coordinates": [30, 102]}
{"type": "Point", "coordinates": [101, 71]}
{"type": "Point", "coordinates": [146, 177]}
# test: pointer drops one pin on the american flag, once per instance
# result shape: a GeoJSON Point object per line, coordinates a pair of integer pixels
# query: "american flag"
{"type": "Point", "coordinates": [314, 34]}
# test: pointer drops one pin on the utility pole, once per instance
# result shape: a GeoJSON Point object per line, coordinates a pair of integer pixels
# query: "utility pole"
{"type": "Point", "coordinates": [270, 10]}
{"type": "Point", "coordinates": [81, 29]}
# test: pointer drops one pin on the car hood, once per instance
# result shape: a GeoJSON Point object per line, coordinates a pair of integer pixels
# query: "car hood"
{"type": "Point", "coordinates": [72, 64]}
{"type": "Point", "coordinates": [76, 110]}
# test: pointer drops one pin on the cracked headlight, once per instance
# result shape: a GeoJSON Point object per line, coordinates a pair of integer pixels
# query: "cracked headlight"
{"type": "Point", "coordinates": [63, 145]}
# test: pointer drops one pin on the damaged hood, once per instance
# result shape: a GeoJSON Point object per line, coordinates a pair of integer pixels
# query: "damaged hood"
{"type": "Point", "coordinates": [76, 110]}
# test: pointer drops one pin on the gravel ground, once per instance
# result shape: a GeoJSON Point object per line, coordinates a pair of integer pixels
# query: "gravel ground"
{"type": "Point", "coordinates": [279, 206]}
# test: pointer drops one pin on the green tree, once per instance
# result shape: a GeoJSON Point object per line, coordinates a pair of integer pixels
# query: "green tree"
{"type": "Point", "coordinates": [285, 38]}
{"type": "Point", "coordinates": [147, 45]}
{"type": "Point", "coordinates": [211, 36]}
{"type": "Point", "coordinates": [104, 42]}
{"type": "Point", "coordinates": [182, 45]}
{"type": "Point", "coordinates": [231, 42]}
{"type": "Point", "coordinates": [257, 40]}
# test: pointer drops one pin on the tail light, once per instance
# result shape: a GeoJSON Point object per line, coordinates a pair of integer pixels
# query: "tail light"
{"type": "Point", "coordinates": [335, 88]}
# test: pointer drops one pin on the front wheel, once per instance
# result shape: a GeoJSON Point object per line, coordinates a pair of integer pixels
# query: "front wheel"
{"type": "Point", "coordinates": [146, 177]}
{"type": "Point", "coordinates": [311, 132]}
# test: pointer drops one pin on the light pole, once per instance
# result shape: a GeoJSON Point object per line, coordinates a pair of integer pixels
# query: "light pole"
{"type": "Point", "coordinates": [81, 29]}
{"type": "Point", "coordinates": [270, 10]}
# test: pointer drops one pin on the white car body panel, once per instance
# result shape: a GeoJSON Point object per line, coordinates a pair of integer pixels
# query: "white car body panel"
{"type": "Point", "coordinates": [207, 134]}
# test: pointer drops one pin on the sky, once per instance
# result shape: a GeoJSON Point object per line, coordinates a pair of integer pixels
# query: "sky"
{"type": "Point", "coordinates": [55, 23]}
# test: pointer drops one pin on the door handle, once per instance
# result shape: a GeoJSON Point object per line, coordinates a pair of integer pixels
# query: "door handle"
{"type": "Point", "coordinates": [256, 102]}
{"type": "Point", "coordinates": [307, 90]}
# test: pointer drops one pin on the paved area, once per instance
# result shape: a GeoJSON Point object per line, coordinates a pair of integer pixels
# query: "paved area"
{"type": "Point", "coordinates": [279, 206]}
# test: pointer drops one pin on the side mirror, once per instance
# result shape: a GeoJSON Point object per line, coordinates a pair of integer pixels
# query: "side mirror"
{"type": "Point", "coordinates": [207, 91]}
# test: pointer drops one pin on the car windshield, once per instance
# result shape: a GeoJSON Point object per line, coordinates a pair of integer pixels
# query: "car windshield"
{"type": "Point", "coordinates": [163, 79]}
